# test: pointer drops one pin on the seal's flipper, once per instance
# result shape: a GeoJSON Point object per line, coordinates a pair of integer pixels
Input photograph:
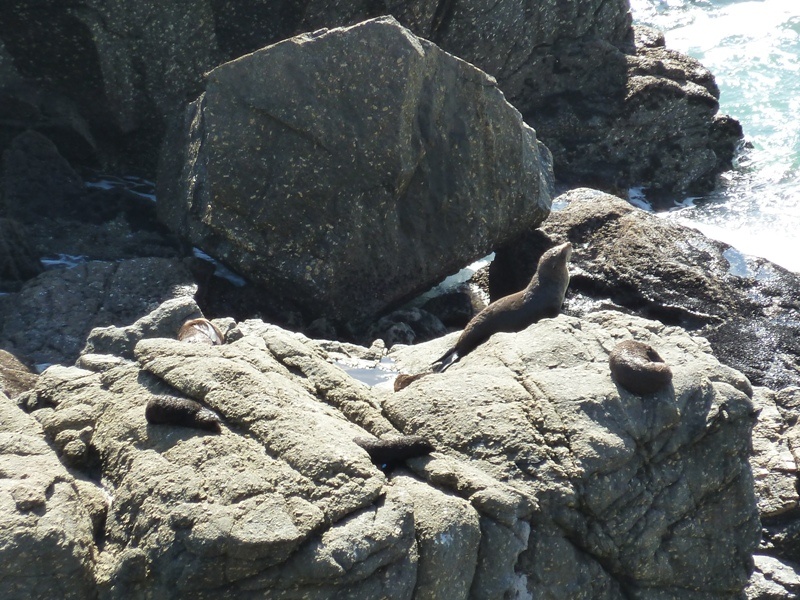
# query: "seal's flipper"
{"type": "Point", "coordinates": [441, 364]}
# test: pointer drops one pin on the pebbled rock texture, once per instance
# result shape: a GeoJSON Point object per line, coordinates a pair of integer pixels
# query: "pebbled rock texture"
{"type": "Point", "coordinates": [547, 480]}
{"type": "Point", "coordinates": [371, 166]}
{"type": "Point", "coordinates": [47, 548]}
{"type": "Point", "coordinates": [49, 320]}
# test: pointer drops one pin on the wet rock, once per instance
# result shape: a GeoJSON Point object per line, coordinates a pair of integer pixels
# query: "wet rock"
{"type": "Point", "coordinates": [746, 307]}
{"type": "Point", "coordinates": [384, 238]}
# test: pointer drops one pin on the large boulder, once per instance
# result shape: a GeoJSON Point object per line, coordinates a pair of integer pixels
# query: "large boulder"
{"type": "Point", "coordinates": [745, 306]}
{"type": "Point", "coordinates": [637, 115]}
{"type": "Point", "coordinates": [349, 169]}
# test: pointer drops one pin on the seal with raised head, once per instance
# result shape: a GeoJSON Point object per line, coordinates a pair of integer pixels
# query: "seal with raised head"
{"type": "Point", "coordinates": [542, 298]}
{"type": "Point", "coordinates": [638, 368]}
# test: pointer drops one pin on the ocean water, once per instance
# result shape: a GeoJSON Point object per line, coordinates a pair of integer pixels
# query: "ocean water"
{"type": "Point", "coordinates": [753, 49]}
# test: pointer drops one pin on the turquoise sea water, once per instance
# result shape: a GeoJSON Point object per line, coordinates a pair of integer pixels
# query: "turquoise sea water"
{"type": "Point", "coordinates": [753, 49]}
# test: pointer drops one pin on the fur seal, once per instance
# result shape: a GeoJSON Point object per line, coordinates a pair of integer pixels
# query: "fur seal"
{"type": "Point", "coordinates": [638, 368]}
{"type": "Point", "coordinates": [171, 410]}
{"type": "Point", "coordinates": [389, 453]}
{"type": "Point", "coordinates": [542, 298]}
{"type": "Point", "coordinates": [201, 331]}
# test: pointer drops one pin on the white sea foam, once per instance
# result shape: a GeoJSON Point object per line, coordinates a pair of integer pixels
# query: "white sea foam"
{"type": "Point", "coordinates": [753, 49]}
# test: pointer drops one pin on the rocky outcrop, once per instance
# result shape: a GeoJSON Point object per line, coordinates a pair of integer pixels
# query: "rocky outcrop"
{"type": "Point", "coordinates": [372, 165]}
{"type": "Point", "coordinates": [650, 120]}
{"type": "Point", "coordinates": [37, 180]}
{"type": "Point", "coordinates": [49, 320]}
{"type": "Point", "coordinates": [127, 67]}
{"type": "Point", "coordinates": [47, 548]}
{"type": "Point", "coordinates": [608, 108]}
{"type": "Point", "coordinates": [15, 376]}
{"type": "Point", "coordinates": [528, 432]}
{"type": "Point", "coordinates": [547, 479]}
{"type": "Point", "coordinates": [746, 307]}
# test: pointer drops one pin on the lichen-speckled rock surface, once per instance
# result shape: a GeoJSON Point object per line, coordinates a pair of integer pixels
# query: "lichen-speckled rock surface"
{"type": "Point", "coordinates": [629, 489]}
{"type": "Point", "coordinates": [547, 480]}
{"type": "Point", "coordinates": [373, 165]}
{"type": "Point", "coordinates": [47, 548]}
{"type": "Point", "coordinates": [747, 307]}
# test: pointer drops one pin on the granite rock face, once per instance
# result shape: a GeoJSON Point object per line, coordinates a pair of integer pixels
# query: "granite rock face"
{"type": "Point", "coordinates": [518, 407]}
{"type": "Point", "coordinates": [745, 306]}
{"type": "Point", "coordinates": [546, 480]}
{"type": "Point", "coordinates": [47, 549]}
{"type": "Point", "coordinates": [372, 165]}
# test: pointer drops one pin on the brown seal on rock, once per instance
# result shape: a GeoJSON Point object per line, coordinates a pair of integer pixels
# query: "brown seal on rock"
{"type": "Point", "coordinates": [638, 368]}
{"type": "Point", "coordinates": [541, 299]}
{"type": "Point", "coordinates": [171, 410]}
{"type": "Point", "coordinates": [389, 453]}
{"type": "Point", "coordinates": [201, 331]}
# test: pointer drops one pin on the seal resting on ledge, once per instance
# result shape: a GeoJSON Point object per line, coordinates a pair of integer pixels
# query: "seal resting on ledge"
{"type": "Point", "coordinates": [638, 368]}
{"type": "Point", "coordinates": [542, 298]}
{"type": "Point", "coordinates": [171, 410]}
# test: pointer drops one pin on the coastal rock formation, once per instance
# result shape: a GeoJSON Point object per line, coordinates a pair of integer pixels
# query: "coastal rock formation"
{"type": "Point", "coordinates": [775, 460]}
{"type": "Point", "coordinates": [746, 307]}
{"type": "Point", "coordinates": [371, 166]}
{"type": "Point", "coordinates": [594, 90]}
{"type": "Point", "coordinates": [49, 320]}
{"type": "Point", "coordinates": [546, 479]}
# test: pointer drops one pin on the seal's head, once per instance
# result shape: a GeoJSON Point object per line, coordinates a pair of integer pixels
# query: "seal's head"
{"type": "Point", "coordinates": [553, 264]}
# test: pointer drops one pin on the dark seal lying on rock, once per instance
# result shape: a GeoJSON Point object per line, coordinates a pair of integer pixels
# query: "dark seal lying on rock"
{"type": "Point", "coordinates": [171, 410]}
{"type": "Point", "coordinates": [638, 368]}
{"type": "Point", "coordinates": [542, 298]}
{"type": "Point", "coordinates": [390, 453]}
{"type": "Point", "coordinates": [201, 331]}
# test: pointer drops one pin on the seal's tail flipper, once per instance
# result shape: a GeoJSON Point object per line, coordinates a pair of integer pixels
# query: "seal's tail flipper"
{"type": "Point", "coordinates": [441, 364]}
